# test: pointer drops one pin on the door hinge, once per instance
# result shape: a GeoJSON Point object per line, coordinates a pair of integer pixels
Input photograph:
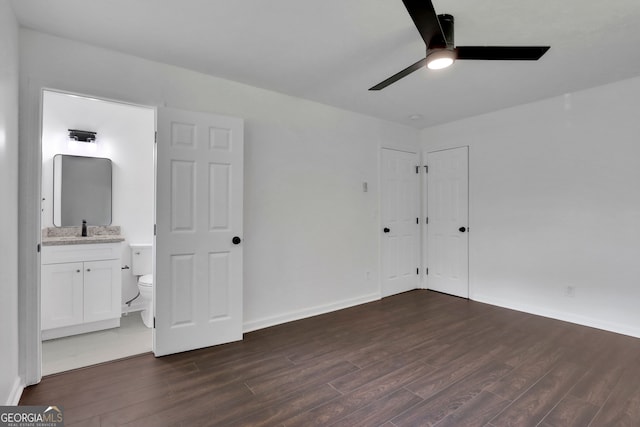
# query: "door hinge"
{"type": "Point", "coordinates": [426, 220]}
{"type": "Point", "coordinates": [155, 138]}
{"type": "Point", "coordinates": [155, 229]}
{"type": "Point", "coordinates": [417, 220]}
{"type": "Point", "coordinates": [427, 272]}
{"type": "Point", "coordinates": [426, 169]}
{"type": "Point", "coordinates": [154, 322]}
{"type": "Point", "coordinates": [418, 271]}
{"type": "Point", "coordinates": [38, 248]}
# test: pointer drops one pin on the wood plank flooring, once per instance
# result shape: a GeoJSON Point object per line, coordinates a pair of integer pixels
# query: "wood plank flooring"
{"type": "Point", "coordinates": [416, 359]}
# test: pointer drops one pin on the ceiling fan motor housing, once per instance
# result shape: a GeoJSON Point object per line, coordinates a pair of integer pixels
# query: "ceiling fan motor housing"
{"type": "Point", "coordinates": [446, 24]}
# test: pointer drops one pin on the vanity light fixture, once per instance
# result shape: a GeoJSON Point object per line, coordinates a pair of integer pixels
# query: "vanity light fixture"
{"type": "Point", "coordinates": [82, 135]}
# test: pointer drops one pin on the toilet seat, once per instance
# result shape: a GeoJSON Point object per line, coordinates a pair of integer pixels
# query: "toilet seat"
{"type": "Point", "coordinates": [146, 280]}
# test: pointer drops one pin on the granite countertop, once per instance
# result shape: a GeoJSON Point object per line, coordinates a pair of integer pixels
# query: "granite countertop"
{"type": "Point", "coordinates": [52, 236]}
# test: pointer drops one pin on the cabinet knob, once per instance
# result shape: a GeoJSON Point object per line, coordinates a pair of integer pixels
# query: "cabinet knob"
{"type": "Point", "coordinates": [78, 271]}
{"type": "Point", "coordinates": [88, 269]}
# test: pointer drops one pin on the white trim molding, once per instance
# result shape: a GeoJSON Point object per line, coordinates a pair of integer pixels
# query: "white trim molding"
{"type": "Point", "coordinates": [563, 316]}
{"type": "Point", "coordinates": [16, 393]}
{"type": "Point", "coordinates": [291, 316]}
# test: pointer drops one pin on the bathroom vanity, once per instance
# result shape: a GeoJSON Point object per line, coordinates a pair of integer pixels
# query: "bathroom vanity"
{"type": "Point", "coordinates": [81, 281]}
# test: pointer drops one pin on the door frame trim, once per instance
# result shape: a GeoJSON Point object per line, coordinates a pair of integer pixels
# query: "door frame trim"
{"type": "Point", "coordinates": [29, 212]}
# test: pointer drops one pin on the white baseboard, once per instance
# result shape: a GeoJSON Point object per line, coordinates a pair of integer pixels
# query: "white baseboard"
{"type": "Point", "coordinates": [266, 322]}
{"type": "Point", "coordinates": [16, 393]}
{"type": "Point", "coordinates": [83, 328]}
{"type": "Point", "coordinates": [135, 306]}
{"type": "Point", "coordinates": [558, 315]}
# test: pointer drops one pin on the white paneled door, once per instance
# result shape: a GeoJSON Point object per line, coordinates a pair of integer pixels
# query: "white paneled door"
{"type": "Point", "coordinates": [400, 229]}
{"type": "Point", "coordinates": [448, 229]}
{"type": "Point", "coordinates": [198, 247]}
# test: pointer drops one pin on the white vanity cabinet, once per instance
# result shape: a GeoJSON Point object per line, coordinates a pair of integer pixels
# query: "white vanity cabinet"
{"type": "Point", "coordinates": [80, 288]}
{"type": "Point", "coordinates": [61, 295]}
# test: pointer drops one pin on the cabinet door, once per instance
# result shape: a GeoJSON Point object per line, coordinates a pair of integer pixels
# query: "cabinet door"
{"type": "Point", "coordinates": [102, 291]}
{"type": "Point", "coordinates": [62, 295]}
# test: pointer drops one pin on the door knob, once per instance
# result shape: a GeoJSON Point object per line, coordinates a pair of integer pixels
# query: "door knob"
{"type": "Point", "coordinates": [462, 229]}
{"type": "Point", "coordinates": [386, 229]}
{"type": "Point", "coordinates": [236, 240]}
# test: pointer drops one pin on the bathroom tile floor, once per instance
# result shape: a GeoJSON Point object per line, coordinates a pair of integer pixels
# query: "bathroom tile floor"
{"type": "Point", "coordinates": [77, 351]}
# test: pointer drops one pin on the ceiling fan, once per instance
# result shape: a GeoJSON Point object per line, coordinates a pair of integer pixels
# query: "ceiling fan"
{"type": "Point", "coordinates": [437, 33]}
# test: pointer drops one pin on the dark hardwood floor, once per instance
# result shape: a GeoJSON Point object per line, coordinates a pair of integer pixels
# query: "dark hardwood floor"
{"type": "Point", "coordinates": [415, 359]}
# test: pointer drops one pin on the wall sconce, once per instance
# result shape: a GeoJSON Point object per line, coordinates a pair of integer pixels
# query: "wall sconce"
{"type": "Point", "coordinates": [82, 135]}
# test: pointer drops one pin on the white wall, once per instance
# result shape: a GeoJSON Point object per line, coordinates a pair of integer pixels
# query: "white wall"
{"type": "Point", "coordinates": [555, 202]}
{"type": "Point", "coordinates": [125, 135]}
{"type": "Point", "coordinates": [311, 234]}
{"type": "Point", "coordinates": [9, 381]}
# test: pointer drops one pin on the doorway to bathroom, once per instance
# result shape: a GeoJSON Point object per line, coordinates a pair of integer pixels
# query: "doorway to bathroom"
{"type": "Point", "coordinates": [90, 306]}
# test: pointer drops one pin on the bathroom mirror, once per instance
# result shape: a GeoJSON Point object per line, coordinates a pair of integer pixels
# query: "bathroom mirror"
{"type": "Point", "coordinates": [81, 190]}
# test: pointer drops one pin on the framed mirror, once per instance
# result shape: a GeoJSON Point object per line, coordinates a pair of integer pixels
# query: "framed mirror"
{"type": "Point", "coordinates": [81, 190]}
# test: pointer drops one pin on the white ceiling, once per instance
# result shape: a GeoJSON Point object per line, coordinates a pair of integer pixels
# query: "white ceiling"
{"type": "Point", "coordinates": [332, 51]}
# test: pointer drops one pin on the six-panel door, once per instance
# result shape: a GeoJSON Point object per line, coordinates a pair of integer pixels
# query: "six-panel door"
{"type": "Point", "coordinates": [448, 211]}
{"type": "Point", "coordinates": [199, 198]}
{"type": "Point", "coordinates": [401, 232]}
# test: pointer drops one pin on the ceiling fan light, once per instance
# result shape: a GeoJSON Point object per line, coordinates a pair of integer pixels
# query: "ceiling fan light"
{"type": "Point", "coordinates": [440, 59]}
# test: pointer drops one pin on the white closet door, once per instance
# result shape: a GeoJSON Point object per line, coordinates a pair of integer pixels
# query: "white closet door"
{"type": "Point", "coordinates": [400, 230]}
{"type": "Point", "coordinates": [448, 212]}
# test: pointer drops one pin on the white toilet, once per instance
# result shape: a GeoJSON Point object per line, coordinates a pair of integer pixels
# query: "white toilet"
{"type": "Point", "coordinates": [142, 267]}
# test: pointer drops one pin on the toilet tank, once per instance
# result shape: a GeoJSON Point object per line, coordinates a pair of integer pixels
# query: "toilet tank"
{"type": "Point", "coordinates": [141, 259]}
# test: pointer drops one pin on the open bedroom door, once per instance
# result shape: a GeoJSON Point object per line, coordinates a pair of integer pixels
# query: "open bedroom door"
{"type": "Point", "coordinates": [198, 244]}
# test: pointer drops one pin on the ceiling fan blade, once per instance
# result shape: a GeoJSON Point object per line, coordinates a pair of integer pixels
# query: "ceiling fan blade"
{"type": "Point", "coordinates": [508, 53]}
{"type": "Point", "coordinates": [426, 21]}
{"type": "Point", "coordinates": [410, 69]}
